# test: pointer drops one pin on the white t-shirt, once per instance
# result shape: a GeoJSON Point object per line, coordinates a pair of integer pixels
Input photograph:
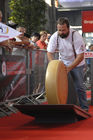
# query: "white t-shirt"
{"type": "Point", "coordinates": [66, 53]}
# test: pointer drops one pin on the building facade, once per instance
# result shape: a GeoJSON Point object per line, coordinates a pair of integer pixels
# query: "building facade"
{"type": "Point", "coordinates": [5, 10]}
{"type": "Point", "coordinates": [50, 16]}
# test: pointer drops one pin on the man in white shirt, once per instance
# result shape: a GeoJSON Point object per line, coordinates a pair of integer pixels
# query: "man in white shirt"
{"type": "Point", "coordinates": [71, 55]}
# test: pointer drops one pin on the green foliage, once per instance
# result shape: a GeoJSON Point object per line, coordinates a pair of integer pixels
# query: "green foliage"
{"type": "Point", "coordinates": [28, 13]}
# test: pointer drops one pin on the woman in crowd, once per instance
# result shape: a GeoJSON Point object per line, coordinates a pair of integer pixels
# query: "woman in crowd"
{"type": "Point", "coordinates": [41, 43]}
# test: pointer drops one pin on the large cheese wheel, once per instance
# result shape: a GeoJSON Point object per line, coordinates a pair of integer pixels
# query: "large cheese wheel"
{"type": "Point", "coordinates": [56, 83]}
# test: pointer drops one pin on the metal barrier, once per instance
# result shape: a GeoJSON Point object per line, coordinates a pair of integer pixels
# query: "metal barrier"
{"type": "Point", "coordinates": [24, 74]}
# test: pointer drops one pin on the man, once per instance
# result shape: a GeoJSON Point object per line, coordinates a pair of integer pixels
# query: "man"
{"type": "Point", "coordinates": [72, 57]}
{"type": "Point", "coordinates": [21, 43]}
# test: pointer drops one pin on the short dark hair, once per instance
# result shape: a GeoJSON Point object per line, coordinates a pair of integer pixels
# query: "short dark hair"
{"type": "Point", "coordinates": [36, 35]}
{"type": "Point", "coordinates": [63, 20]}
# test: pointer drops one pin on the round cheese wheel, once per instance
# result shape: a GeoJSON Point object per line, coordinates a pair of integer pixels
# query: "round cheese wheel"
{"type": "Point", "coordinates": [56, 83]}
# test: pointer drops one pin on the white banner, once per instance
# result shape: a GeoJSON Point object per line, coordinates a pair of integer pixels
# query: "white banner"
{"type": "Point", "coordinates": [7, 32]}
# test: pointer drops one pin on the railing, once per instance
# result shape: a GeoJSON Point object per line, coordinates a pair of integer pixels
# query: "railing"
{"type": "Point", "coordinates": [24, 74]}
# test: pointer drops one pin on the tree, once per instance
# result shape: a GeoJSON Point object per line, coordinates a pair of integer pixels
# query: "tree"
{"type": "Point", "coordinates": [28, 13]}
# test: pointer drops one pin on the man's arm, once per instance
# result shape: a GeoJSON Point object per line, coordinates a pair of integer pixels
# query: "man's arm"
{"type": "Point", "coordinates": [78, 59]}
{"type": "Point", "coordinates": [50, 56]}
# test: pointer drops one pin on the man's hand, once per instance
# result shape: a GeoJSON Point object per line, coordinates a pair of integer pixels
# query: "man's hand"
{"type": "Point", "coordinates": [68, 69]}
{"type": "Point", "coordinates": [77, 61]}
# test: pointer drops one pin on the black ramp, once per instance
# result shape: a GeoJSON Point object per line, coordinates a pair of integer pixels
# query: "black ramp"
{"type": "Point", "coordinates": [54, 113]}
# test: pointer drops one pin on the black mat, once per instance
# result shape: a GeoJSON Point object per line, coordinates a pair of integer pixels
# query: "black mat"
{"type": "Point", "coordinates": [54, 113]}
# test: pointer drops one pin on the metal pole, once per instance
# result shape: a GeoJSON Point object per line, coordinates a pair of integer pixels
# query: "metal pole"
{"type": "Point", "coordinates": [28, 71]}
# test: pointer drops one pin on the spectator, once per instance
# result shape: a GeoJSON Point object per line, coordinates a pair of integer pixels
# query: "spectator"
{"type": "Point", "coordinates": [21, 42]}
{"type": "Point", "coordinates": [34, 38]}
{"type": "Point", "coordinates": [48, 38]}
{"type": "Point", "coordinates": [41, 43]}
{"type": "Point", "coordinates": [39, 63]}
{"type": "Point", "coordinates": [91, 47]}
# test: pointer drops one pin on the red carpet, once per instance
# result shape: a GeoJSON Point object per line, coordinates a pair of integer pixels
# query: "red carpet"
{"type": "Point", "coordinates": [21, 127]}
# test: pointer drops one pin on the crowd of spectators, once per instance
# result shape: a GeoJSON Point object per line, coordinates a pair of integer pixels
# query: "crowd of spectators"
{"type": "Point", "coordinates": [37, 40]}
